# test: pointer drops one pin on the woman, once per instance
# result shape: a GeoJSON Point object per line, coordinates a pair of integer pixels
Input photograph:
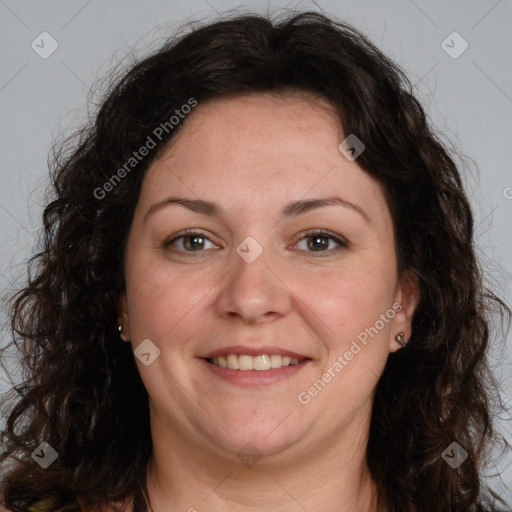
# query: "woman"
{"type": "Point", "coordinates": [258, 291]}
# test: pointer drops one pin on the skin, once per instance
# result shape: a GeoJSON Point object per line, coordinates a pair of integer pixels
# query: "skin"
{"type": "Point", "coordinates": [251, 155]}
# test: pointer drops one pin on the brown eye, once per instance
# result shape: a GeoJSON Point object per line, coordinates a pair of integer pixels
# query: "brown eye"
{"type": "Point", "coordinates": [189, 242]}
{"type": "Point", "coordinates": [318, 241]}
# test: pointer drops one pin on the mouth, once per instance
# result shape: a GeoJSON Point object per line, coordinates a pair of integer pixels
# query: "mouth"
{"type": "Point", "coordinates": [254, 371]}
{"type": "Point", "coordinates": [262, 362]}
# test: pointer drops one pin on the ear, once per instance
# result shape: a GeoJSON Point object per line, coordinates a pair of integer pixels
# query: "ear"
{"type": "Point", "coordinates": [122, 317]}
{"type": "Point", "coordinates": [407, 297]}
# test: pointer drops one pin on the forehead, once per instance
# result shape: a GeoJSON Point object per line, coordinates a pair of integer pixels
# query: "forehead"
{"type": "Point", "coordinates": [257, 148]}
{"type": "Point", "coordinates": [248, 124]}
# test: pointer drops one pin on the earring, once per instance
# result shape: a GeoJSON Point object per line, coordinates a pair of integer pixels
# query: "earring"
{"type": "Point", "coordinates": [120, 329]}
{"type": "Point", "coordinates": [400, 339]}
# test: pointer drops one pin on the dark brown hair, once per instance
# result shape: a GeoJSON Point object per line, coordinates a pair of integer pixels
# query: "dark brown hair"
{"type": "Point", "coordinates": [82, 392]}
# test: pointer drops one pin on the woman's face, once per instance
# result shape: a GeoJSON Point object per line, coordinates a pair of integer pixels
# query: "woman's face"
{"type": "Point", "coordinates": [254, 276]}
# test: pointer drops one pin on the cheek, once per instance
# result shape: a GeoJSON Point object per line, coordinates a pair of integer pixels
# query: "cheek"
{"type": "Point", "coordinates": [351, 296]}
{"type": "Point", "coordinates": [159, 298]}
{"type": "Point", "coordinates": [355, 337]}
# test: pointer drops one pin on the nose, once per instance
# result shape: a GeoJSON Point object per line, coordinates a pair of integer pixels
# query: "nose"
{"type": "Point", "coordinates": [252, 291]}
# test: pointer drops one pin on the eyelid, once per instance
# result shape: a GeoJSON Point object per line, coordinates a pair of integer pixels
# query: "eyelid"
{"type": "Point", "coordinates": [168, 241]}
{"type": "Point", "coordinates": [340, 240]}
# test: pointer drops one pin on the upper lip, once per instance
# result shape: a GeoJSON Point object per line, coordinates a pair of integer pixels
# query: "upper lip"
{"type": "Point", "coordinates": [253, 351]}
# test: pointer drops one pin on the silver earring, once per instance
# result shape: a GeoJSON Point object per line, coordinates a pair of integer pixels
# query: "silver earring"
{"type": "Point", "coordinates": [400, 339]}
{"type": "Point", "coordinates": [120, 329]}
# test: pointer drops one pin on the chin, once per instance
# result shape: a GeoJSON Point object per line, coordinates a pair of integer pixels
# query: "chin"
{"type": "Point", "coordinates": [257, 442]}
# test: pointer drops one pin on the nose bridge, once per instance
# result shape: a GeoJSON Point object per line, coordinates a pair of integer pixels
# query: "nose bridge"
{"type": "Point", "coordinates": [252, 290]}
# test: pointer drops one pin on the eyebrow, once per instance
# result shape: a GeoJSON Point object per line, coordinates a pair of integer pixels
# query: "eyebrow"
{"type": "Point", "coordinates": [293, 209]}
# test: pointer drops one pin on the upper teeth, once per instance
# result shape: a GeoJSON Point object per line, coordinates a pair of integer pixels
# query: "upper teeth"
{"type": "Point", "coordinates": [245, 362]}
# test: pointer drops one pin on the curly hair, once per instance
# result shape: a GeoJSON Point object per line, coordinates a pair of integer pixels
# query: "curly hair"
{"type": "Point", "coordinates": [82, 392]}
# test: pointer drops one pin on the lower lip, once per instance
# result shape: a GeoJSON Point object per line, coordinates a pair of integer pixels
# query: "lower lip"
{"type": "Point", "coordinates": [251, 378]}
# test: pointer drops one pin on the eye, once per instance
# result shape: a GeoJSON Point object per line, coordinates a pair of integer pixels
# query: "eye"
{"type": "Point", "coordinates": [194, 241]}
{"type": "Point", "coordinates": [319, 241]}
{"type": "Point", "coordinates": [191, 241]}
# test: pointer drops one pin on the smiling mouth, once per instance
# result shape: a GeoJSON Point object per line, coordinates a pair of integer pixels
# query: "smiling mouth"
{"type": "Point", "coordinates": [261, 362]}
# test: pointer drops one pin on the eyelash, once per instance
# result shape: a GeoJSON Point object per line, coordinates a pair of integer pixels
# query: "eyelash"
{"type": "Point", "coordinates": [342, 244]}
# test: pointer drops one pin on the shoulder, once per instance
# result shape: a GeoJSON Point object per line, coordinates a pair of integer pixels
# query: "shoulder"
{"type": "Point", "coordinates": [119, 507]}
{"type": "Point", "coordinates": [40, 506]}
{"type": "Point", "coordinates": [80, 502]}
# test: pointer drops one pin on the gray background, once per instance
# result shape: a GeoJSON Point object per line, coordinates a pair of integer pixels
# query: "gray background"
{"type": "Point", "coordinates": [468, 98]}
